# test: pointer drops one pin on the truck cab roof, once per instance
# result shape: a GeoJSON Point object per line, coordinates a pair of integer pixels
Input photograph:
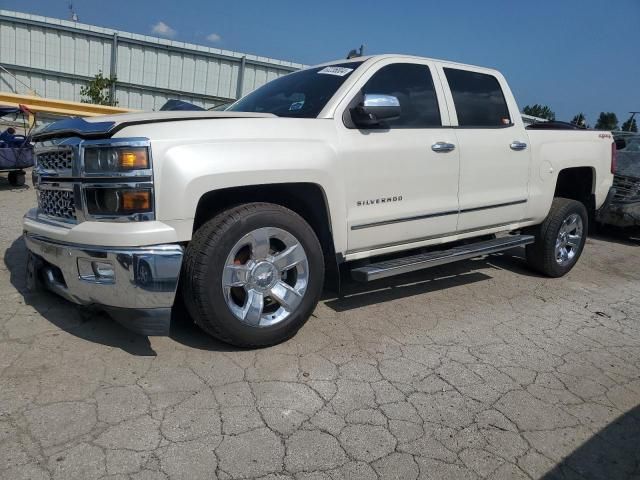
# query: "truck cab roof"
{"type": "Point", "coordinates": [401, 57]}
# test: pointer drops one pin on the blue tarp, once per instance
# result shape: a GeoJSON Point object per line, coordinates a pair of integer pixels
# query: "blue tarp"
{"type": "Point", "coordinates": [16, 158]}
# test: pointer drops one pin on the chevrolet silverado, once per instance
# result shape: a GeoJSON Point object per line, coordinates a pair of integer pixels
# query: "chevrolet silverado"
{"type": "Point", "coordinates": [377, 166]}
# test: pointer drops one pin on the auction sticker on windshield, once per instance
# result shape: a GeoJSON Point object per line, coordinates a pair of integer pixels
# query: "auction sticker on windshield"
{"type": "Point", "coordinates": [338, 71]}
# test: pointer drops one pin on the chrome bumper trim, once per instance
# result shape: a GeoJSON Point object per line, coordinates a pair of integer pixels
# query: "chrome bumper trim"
{"type": "Point", "coordinates": [145, 277]}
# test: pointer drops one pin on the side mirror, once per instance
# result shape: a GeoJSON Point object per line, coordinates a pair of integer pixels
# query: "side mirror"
{"type": "Point", "coordinates": [376, 109]}
{"type": "Point", "coordinates": [620, 143]}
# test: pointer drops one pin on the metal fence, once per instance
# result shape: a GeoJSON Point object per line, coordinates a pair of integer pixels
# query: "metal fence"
{"type": "Point", "coordinates": [55, 58]}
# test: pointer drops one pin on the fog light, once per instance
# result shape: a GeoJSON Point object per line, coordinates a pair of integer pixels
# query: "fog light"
{"type": "Point", "coordinates": [103, 270]}
{"type": "Point", "coordinates": [98, 271]}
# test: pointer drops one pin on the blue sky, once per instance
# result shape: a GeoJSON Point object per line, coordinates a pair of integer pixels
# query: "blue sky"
{"type": "Point", "coordinates": [574, 55]}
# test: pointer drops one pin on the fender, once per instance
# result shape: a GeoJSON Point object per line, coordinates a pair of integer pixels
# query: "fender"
{"type": "Point", "coordinates": [197, 169]}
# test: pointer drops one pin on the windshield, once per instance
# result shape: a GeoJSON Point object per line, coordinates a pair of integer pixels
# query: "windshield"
{"type": "Point", "coordinates": [301, 94]}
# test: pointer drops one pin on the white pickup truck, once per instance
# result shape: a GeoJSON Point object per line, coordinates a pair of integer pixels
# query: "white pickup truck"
{"type": "Point", "coordinates": [377, 165]}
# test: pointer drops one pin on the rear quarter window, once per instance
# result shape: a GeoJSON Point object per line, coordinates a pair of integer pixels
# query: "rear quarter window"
{"type": "Point", "coordinates": [478, 99]}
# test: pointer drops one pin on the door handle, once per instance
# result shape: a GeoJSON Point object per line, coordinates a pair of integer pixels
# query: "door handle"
{"type": "Point", "coordinates": [443, 147]}
{"type": "Point", "coordinates": [518, 145]}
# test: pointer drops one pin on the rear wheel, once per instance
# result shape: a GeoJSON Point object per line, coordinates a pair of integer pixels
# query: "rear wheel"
{"type": "Point", "coordinates": [253, 275]}
{"type": "Point", "coordinates": [560, 238]}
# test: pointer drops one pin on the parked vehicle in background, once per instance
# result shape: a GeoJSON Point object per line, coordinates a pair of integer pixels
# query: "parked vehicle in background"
{"type": "Point", "coordinates": [246, 211]}
{"type": "Point", "coordinates": [176, 105]}
{"type": "Point", "coordinates": [16, 150]}
{"type": "Point", "coordinates": [623, 210]}
{"type": "Point", "coordinates": [179, 105]}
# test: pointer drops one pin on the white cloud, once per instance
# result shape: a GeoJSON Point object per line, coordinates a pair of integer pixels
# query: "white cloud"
{"type": "Point", "coordinates": [214, 37]}
{"type": "Point", "coordinates": [163, 30]}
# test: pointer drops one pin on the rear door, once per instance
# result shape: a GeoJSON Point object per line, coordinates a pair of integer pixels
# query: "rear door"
{"type": "Point", "coordinates": [494, 154]}
{"type": "Point", "coordinates": [398, 188]}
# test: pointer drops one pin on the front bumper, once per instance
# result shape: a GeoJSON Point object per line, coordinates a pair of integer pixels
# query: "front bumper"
{"type": "Point", "coordinates": [137, 285]}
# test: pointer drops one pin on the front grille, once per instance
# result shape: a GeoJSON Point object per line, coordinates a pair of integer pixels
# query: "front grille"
{"type": "Point", "coordinates": [55, 160]}
{"type": "Point", "coordinates": [627, 189]}
{"type": "Point", "coordinates": [57, 203]}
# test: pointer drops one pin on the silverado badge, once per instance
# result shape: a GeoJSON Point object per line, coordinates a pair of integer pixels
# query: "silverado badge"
{"type": "Point", "coordinates": [376, 201]}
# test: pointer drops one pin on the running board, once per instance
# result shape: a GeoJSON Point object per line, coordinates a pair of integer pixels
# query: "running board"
{"type": "Point", "coordinates": [398, 266]}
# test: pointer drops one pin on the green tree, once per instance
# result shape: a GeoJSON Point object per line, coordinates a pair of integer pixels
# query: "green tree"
{"type": "Point", "coordinates": [607, 121]}
{"type": "Point", "coordinates": [630, 125]}
{"type": "Point", "coordinates": [580, 120]}
{"type": "Point", "coordinates": [540, 111]}
{"type": "Point", "coordinates": [98, 91]}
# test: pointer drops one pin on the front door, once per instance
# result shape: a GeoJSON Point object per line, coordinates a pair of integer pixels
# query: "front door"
{"type": "Point", "coordinates": [401, 178]}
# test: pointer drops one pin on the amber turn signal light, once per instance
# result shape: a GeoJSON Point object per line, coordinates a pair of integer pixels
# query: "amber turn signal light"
{"type": "Point", "coordinates": [136, 201]}
{"type": "Point", "coordinates": [134, 159]}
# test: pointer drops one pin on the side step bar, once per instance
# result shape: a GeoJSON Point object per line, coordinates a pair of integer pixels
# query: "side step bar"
{"type": "Point", "coordinates": [398, 266]}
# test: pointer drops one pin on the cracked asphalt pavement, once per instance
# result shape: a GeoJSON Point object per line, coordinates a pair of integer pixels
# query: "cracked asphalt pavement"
{"type": "Point", "coordinates": [473, 370]}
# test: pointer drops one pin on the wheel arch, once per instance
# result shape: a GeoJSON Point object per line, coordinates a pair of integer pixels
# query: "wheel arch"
{"type": "Point", "coordinates": [309, 200]}
{"type": "Point", "coordinates": [577, 183]}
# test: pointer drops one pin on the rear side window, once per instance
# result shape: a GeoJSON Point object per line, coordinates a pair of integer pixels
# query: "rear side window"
{"type": "Point", "coordinates": [413, 86]}
{"type": "Point", "coordinates": [478, 99]}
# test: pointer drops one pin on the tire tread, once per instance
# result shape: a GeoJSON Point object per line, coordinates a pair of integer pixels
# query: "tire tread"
{"type": "Point", "coordinates": [540, 255]}
{"type": "Point", "coordinates": [195, 265]}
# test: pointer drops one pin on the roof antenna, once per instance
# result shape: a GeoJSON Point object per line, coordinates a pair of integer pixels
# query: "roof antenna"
{"type": "Point", "coordinates": [72, 12]}
{"type": "Point", "coordinates": [356, 53]}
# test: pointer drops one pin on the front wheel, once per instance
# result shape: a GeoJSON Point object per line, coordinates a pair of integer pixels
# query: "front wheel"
{"type": "Point", "coordinates": [253, 275]}
{"type": "Point", "coordinates": [560, 239]}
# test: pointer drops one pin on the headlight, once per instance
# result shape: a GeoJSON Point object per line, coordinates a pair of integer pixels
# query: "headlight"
{"type": "Point", "coordinates": [118, 201]}
{"type": "Point", "coordinates": [115, 159]}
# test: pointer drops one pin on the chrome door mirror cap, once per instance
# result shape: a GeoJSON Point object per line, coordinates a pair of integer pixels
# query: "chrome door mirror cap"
{"type": "Point", "coordinates": [375, 110]}
{"type": "Point", "coordinates": [376, 100]}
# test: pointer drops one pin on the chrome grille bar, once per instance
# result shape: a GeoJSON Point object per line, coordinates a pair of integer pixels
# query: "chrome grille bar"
{"type": "Point", "coordinates": [59, 204]}
{"type": "Point", "coordinates": [57, 161]}
{"type": "Point", "coordinates": [627, 189]}
{"type": "Point", "coordinates": [61, 181]}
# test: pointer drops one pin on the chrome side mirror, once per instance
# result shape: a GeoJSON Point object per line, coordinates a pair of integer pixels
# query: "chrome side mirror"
{"type": "Point", "coordinates": [376, 109]}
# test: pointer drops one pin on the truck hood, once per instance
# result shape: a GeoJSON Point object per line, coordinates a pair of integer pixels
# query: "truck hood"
{"type": "Point", "coordinates": [106, 125]}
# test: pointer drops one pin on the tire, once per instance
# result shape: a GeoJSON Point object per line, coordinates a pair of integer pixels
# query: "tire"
{"type": "Point", "coordinates": [17, 179]}
{"type": "Point", "coordinates": [233, 241]}
{"type": "Point", "coordinates": [542, 255]}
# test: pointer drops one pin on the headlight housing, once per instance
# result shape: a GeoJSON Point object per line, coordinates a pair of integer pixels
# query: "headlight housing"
{"type": "Point", "coordinates": [115, 159]}
{"type": "Point", "coordinates": [105, 201]}
{"type": "Point", "coordinates": [118, 185]}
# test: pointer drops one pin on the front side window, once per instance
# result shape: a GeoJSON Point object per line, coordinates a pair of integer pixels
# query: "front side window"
{"type": "Point", "coordinates": [478, 99]}
{"type": "Point", "coordinates": [301, 94]}
{"type": "Point", "coordinates": [413, 86]}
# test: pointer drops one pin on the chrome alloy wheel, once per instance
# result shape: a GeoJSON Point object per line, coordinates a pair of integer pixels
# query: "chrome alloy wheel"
{"type": "Point", "coordinates": [569, 239]}
{"type": "Point", "coordinates": [265, 277]}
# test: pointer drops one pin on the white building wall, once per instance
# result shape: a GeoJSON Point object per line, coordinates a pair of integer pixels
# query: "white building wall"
{"type": "Point", "coordinates": [55, 58]}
